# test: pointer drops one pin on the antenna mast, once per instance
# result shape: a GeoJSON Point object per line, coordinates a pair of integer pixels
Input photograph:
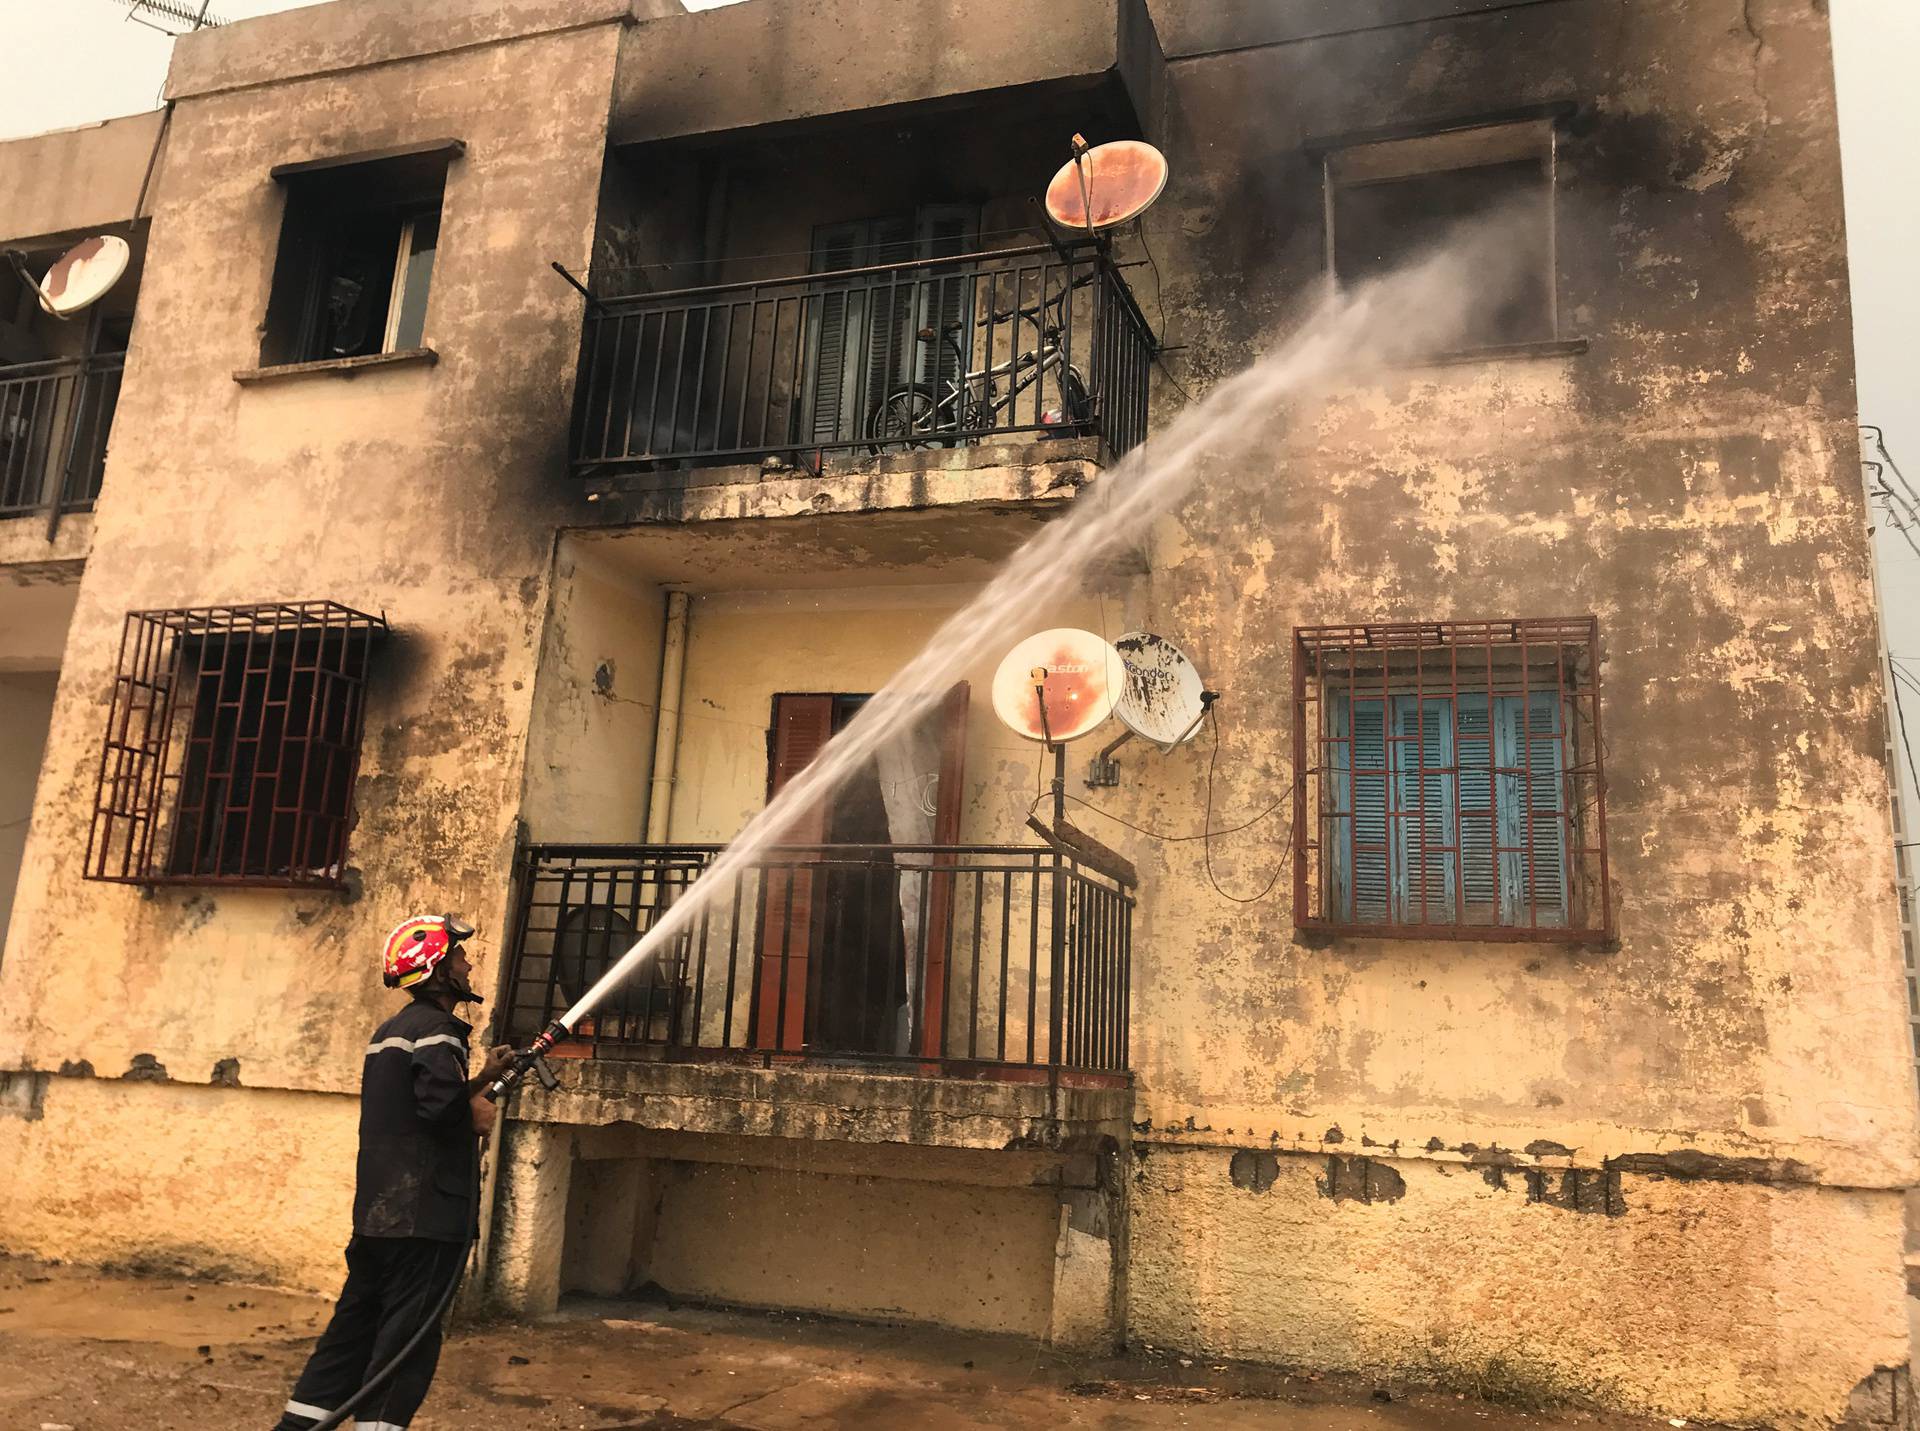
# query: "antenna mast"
{"type": "Point", "coordinates": [172, 17]}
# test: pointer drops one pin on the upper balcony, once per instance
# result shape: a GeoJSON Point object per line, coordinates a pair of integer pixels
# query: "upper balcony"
{"type": "Point", "coordinates": [865, 365]}
{"type": "Point", "coordinates": [828, 286]}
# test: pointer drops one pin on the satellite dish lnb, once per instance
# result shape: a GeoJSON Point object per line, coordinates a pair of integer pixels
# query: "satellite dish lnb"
{"type": "Point", "coordinates": [84, 274]}
{"type": "Point", "coordinates": [1056, 686]}
{"type": "Point", "coordinates": [1106, 186]}
{"type": "Point", "coordinates": [1162, 699]}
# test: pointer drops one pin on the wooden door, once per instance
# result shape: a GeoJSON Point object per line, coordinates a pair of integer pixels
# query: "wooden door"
{"type": "Point", "coordinates": [802, 725]}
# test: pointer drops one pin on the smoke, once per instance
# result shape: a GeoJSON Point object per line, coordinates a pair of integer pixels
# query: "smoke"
{"type": "Point", "coordinates": [1411, 314]}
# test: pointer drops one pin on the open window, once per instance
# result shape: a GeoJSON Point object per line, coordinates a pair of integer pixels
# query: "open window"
{"type": "Point", "coordinates": [1389, 201]}
{"type": "Point", "coordinates": [357, 248]}
{"type": "Point", "coordinates": [232, 745]}
{"type": "Point", "coordinates": [1452, 782]}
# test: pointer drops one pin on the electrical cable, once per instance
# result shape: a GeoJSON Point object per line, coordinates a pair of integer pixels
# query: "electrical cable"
{"type": "Point", "coordinates": [1900, 717]}
{"type": "Point", "coordinates": [1206, 846]}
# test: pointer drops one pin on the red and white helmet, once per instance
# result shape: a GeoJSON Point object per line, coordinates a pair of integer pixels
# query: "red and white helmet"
{"type": "Point", "coordinates": [417, 945]}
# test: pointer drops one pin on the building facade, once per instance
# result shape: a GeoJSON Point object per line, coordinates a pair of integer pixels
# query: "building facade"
{"type": "Point", "coordinates": [1533, 1015]}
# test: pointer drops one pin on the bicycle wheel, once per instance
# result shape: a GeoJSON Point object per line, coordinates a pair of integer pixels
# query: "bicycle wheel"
{"type": "Point", "coordinates": [1074, 400]}
{"type": "Point", "coordinates": [906, 419]}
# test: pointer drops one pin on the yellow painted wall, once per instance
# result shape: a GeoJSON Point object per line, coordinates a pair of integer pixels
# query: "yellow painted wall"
{"type": "Point", "coordinates": [975, 1257]}
{"type": "Point", "coordinates": [250, 1184]}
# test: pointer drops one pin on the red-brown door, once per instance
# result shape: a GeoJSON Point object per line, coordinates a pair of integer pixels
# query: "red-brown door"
{"type": "Point", "coordinates": [794, 907]}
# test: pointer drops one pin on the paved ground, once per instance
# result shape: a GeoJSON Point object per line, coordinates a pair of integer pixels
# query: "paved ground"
{"type": "Point", "coordinates": [111, 1353]}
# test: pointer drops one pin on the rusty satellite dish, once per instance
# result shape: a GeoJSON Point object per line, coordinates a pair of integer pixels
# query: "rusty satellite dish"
{"type": "Point", "coordinates": [1106, 186]}
{"type": "Point", "coordinates": [1076, 672]}
{"type": "Point", "coordinates": [84, 274]}
{"type": "Point", "coordinates": [1162, 698]}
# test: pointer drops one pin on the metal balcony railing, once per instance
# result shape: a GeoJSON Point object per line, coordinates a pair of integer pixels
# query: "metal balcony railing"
{"type": "Point", "coordinates": [55, 418]}
{"type": "Point", "coordinates": [1024, 343]}
{"type": "Point", "coordinates": [996, 960]}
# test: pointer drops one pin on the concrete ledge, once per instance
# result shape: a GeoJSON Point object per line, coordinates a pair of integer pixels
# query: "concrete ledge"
{"type": "Point", "coordinates": [32, 559]}
{"type": "Point", "coordinates": [338, 367]}
{"type": "Point", "coordinates": [1023, 474]}
{"type": "Point", "coordinates": [835, 1104]}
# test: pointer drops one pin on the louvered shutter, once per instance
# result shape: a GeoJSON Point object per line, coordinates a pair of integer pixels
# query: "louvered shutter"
{"type": "Point", "coordinates": [1358, 780]}
{"type": "Point", "coordinates": [837, 310]}
{"type": "Point", "coordinates": [1422, 758]}
{"type": "Point", "coordinates": [1529, 748]}
{"type": "Point", "coordinates": [947, 298]}
{"type": "Point", "coordinates": [892, 307]}
{"type": "Point", "coordinates": [1473, 756]}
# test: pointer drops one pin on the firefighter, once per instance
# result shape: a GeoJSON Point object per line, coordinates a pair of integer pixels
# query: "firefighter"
{"type": "Point", "coordinates": [415, 1200]}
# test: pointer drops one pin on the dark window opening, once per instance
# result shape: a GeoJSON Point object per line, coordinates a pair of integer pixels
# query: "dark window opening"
{"type": "Point", "coordinates": [232, 746]}
{"type": "Point", "coordinates": [1392, 202]}
{"type": "Point", "coordinates": [1451, 780]}
{"type": "Point", "coordinates": [355, 266]}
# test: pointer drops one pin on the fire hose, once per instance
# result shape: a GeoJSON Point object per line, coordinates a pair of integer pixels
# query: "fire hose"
{"type": "Point", "coordinates": [531, 1059]}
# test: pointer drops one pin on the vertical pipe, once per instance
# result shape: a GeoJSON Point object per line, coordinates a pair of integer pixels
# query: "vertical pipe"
{"type": "Point", "coordinates": [666, 733]}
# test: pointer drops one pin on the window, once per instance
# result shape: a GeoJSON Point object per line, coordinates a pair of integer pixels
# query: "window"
{"type": "Point", "coordinates": [1451, 781]}
{"type": "Point", "coordinates": [357, 247]}
{"type": "Point", "coordinates": [232, 745]}
{"type": "Point", "coordinates": [1388, 201]}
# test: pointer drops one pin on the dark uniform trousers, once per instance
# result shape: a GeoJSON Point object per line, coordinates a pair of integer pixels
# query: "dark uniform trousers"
{"type": "Point", "coordinates": [414, 1213]}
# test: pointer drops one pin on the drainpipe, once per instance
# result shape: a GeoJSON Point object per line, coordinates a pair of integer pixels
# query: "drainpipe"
{"type": "Point", "coordinates": [666, 737]}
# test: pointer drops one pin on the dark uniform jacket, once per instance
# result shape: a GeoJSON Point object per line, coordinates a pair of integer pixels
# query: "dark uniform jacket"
{"type": "Point", "coordinates": [416, 1171]}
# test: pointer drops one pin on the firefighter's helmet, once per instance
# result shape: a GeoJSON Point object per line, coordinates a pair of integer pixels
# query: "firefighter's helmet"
{"type": "Point", "coordinates": [417, 945]}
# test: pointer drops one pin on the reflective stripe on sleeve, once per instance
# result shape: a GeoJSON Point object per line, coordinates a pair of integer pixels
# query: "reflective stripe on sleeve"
{"type": "Point", "coordinates": [408, 1045]}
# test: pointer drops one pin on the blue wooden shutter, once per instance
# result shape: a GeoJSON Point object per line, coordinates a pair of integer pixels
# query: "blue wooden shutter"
{"type": "Point", "coordinates": [1423, 799]}
{"type": "Point", "coordinates": [1358, 777]}
{"type": "Point", "coordinates": [834, 320]}
{"type": "Point", "coordinates": [1529, 745]}
{"type": "Point", "coordinates": [1473, 754]}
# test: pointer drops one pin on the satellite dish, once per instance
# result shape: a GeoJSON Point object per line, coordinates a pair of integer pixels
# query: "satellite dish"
{"type": "Point", "coordinates": [84, 274]}
{"type": "Point", "coordinates": [1162, 699]}
{"type": "Point", "coordinates": [1078, 673]}
{"type": "Point", "coordinates": [1107, 185]}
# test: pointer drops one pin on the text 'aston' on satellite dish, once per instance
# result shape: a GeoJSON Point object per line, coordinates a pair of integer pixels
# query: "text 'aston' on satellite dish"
{"type": "Point", "coordinates": [1076, 671]}
{"type": "Point", "coordinates": [84, 274]}
{"type": "Point", "coordinates": [1162, 697]}
{"type": "Point", "coordinates": [1108, 185]}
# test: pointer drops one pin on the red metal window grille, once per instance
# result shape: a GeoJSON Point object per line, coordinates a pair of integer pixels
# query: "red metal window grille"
{"type": "Point", "coordinates": [1452, 782]}
{"type": "Point", "coordinates": [232, 744]}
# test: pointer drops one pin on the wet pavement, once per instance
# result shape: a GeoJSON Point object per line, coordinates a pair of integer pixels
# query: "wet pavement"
{"type": "Point", "coordinates": [100, 1352]}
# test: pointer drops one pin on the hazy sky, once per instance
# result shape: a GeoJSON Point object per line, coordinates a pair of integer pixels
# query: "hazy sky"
{"type": "Point", "coordinates": [70, 61]}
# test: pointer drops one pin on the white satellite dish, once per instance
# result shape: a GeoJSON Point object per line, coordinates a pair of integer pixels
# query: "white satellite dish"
{"type": "Point", "coordinates": [1057, 686]}
{"type": "Point", "coordinates": [84, 274]}
{"type": "Point", "coordinates": [1106, 186]}
{"type": "Point", "coordinates": [1162, 699]}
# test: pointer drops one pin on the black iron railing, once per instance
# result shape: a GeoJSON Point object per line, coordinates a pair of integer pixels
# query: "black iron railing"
{"type": "Point", "coordinates": [1040, 342]}
{"type": "Point", "coordinates": [967, 957]}
{"type": "Point", "coordinates": [55, 418]}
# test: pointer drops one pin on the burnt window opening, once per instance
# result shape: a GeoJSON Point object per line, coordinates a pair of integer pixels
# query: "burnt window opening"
{"type": "Point", "coordinates": [1451, 780]}
{"type": "Point", "coordinates": [232, 746]}
{"type": "Point", "coordinates": [1390, 202]}
{"type": "Point", "coordinates": [355, 267]}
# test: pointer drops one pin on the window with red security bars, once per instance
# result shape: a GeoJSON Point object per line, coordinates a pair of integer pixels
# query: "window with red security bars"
{"type": "Point", "coordinates": [232, 745]}
{"type": "Point", "coordinates": [1451, 780]}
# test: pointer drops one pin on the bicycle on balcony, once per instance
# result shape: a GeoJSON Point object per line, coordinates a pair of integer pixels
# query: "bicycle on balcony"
{"type": "Point", "coordinates": [917, 415]}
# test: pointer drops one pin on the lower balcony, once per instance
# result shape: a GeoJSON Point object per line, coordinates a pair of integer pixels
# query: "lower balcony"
{"type": "Point", "coordinates": [55, 419]}
{"type": "Point", "coordinates": [868, 366]}
{"type": "Point", "coordinates": [942, 995]}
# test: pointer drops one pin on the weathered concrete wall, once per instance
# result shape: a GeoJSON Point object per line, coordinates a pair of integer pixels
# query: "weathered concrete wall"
{"type": "Point", "coordinates": [26, 711]}
{"type": "Point", "coordinates": [429, 493]}
{"type": "Point", "coordinates": [1706, 1300]}
{"type": "Point", "coordinates": [1691, 480]}
{"type": "Point", "coordinates": [737, 68]}
{"type": "Point", "coordinates": [241, 1183]}
{"type": "Point", "coordinates": [83, 178]}
{"type": "Point", "coordinates": [596, 702]}
{"type": "Point", "coordinates": [959, 1256]}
